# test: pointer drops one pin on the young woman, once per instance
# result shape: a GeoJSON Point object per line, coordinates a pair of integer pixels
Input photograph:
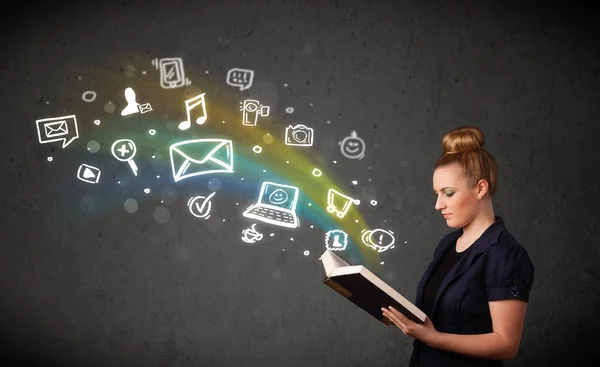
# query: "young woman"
{"type": "Point", "coordinates": [476, 288]}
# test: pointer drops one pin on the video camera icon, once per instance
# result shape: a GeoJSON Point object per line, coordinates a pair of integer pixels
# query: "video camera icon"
{"type": "Point", "coordinates": [251, 110]}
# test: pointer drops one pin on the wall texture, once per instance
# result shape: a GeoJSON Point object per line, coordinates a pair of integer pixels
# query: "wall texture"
{"type": "Point", "coordinates": [88, 278]}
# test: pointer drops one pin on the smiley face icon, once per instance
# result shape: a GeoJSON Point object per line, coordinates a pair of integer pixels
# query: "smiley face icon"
{"type": "Point", "coordinates": [278, 197]}
{"type": "Point", "coordinates": [353, 147]}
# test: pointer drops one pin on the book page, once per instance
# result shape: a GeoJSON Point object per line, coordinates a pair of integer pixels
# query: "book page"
{"type": "Point", "coordinates": [331, 262]}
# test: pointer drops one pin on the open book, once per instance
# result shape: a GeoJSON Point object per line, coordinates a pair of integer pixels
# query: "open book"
{"type": "Point", "coordinates": [366, 290]}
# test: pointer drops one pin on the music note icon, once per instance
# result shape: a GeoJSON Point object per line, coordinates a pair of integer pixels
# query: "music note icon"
{"type": "Point", "coordinates": [199, 114]}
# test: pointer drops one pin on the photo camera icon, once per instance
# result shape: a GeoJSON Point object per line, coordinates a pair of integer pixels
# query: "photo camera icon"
{"type": "Point", "coordinates": [299, 135]}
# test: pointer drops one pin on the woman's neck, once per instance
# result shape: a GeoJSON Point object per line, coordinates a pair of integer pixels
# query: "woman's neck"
{"type": "Point", "coordinates": [475, 229]}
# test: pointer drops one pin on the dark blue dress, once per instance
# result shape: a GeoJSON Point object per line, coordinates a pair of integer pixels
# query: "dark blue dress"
{"type": "Point", "coordinates": [495, 267]}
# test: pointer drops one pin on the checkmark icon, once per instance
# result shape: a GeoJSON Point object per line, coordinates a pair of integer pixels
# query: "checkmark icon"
{"type": "Point", "coordinates": [201, 211]}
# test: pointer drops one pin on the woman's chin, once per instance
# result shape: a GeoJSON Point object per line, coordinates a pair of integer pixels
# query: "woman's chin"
{"type": "Point", "coordinates": [451, 223]}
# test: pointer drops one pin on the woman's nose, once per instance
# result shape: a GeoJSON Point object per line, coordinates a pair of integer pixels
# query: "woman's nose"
{"type": "Point", "coordinates": [439, 205]}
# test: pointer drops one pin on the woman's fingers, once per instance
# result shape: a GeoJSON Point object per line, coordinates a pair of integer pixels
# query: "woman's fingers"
{"type": "Point", "coordinates": [390, 315]}
{"type": "Point", "coordinates": [399, 315]}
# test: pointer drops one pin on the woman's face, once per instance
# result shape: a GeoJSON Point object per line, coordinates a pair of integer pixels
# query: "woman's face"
{"type": "Point", "coordinates": [455, 200]}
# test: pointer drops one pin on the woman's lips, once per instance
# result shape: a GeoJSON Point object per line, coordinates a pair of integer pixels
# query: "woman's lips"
{"type": "Point", "coordinates": [446, 216]}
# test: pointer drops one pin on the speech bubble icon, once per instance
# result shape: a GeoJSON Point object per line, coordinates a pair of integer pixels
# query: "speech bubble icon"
{"type": "Point", "coordinates": [242, 78]}
{"type": "Point", "coordinates": [56, 129]}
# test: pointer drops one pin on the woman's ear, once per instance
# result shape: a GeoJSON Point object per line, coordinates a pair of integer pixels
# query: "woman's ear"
{"type": "Point", "coordinates": [482, 187]}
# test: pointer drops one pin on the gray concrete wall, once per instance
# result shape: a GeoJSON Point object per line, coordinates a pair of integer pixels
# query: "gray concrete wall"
{"type": "Point", "coordinates": [84, 282]}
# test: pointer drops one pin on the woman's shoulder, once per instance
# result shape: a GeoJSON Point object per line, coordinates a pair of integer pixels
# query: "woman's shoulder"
{"type": "Point", "coordinates": [508, 248]}
{"type": "Point", "coordinates": [507, 242]}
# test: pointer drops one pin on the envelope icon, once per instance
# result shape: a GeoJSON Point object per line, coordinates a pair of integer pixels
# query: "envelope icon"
{"type": "Point", "coordinates": [145, 108]}
{"type": "Point", "coordinates": [57, 128]}
{"type": "Point", "coordinates": [200, 157]}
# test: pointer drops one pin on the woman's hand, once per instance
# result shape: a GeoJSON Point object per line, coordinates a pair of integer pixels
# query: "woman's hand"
{"type": "Point", "coordinates": [424, 332]}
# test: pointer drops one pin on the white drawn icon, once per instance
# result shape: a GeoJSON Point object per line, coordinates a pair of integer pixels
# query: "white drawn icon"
{"type": "Point", "coordinates": [57, 128]}
{"type": "Point", "coordinates": [200, 206]}
{"type": "Point", "coordinates": [194, 112]}
{"type": "Point", "coordinates": [378, 239]}
{"type": "Point", "coordinates": [145, 108]}
{"type": "Point", "coordinates": [336, 240]}
{"type": "Point", "coordinates": [201, 156]}
{"type": "Point", "coordinates": [299, 135]}
{"type": "Point", "coordinates": [276, 205]}
{"type": "Point", "coordinates": [89, 96]}
{"type": "Point", "coordinates": [251, 109]}
{"type": "Point", "coordinates": [353, 147]}
{"type": "Point", "coordinates": [89, 174]}
{"type": "Point", "coordinates": [339, 203]}
{"type": "Point", "coordinates": [172, 74]}
{"type": "Point", "coordinates": [132, 105]}
{"type": "Point", "coordinates": [251, 235]}
{"type": "Point", "coordinates": [242, 78]}
{"type": "Point", "coordinates": [124, 150]}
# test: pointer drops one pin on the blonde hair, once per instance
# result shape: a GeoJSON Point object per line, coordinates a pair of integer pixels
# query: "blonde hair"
{"type": "Point", "coordinates": [463, 146]}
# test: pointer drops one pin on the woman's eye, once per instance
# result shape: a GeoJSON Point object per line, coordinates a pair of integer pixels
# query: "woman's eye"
{"type": "Point", "coordinates": [449, 195]}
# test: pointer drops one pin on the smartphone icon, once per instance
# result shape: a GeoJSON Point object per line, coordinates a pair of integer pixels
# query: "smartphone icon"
{"type": "Point", "coordinates": [171, 72]}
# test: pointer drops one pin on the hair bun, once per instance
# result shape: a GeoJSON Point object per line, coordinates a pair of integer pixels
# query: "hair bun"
{"type": "Point", "coordinates": [463, 139]}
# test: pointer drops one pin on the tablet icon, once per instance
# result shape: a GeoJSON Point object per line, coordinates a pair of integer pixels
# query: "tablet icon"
{"type": "Point", "coordinates": [89, 174]}
{"type": "Point", "coordinates": [56, 129]}
{"type": "Point", "coordinates": [172, 74]}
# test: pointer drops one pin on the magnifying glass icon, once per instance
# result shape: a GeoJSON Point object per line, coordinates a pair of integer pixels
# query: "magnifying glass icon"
{"type": "Point", "coordinates": [124, 150]}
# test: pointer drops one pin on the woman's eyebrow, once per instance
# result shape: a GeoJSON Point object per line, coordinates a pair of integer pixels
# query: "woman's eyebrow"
{"type": "Point", "coordinates": [443, 188]}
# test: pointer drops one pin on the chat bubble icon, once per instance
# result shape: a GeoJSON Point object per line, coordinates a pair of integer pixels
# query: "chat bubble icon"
{"type": "Point", "coordinates": [56, 129]}
{"type": "Point", "coordinates": [241, 78]}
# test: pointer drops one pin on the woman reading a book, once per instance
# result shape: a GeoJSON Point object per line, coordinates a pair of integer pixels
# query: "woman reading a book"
{"type": "Point", "coordinates": [476, 288]}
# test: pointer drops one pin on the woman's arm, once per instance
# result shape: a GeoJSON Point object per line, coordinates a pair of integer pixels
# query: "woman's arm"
{"type": "Point", "coordinates": [508, 317]}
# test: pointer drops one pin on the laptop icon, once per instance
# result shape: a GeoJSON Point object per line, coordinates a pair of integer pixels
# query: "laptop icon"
{"type": "Point", "coordinates": [276, 205]}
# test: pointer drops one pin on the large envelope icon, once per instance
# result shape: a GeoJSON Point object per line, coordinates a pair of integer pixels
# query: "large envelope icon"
{"type": "Point", "coordinates": [200, 157]}
{"type": "Point", "coordinates": [57, 128]}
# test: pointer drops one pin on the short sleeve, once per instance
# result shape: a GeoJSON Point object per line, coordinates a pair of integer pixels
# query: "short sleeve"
{"type": "Point", "coordinates": [510, 273]}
